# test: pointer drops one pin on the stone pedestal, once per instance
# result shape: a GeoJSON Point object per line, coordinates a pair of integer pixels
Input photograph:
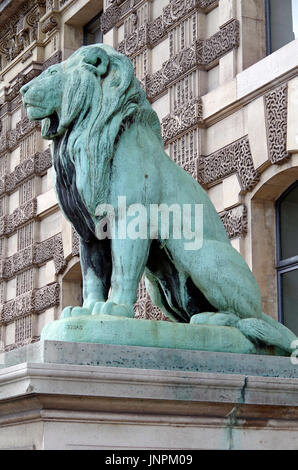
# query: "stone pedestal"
{"type": "Point", "coordinates": [92, 396]}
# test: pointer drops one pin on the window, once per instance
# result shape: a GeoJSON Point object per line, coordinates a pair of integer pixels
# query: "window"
{"type": "Point", "coordinates": [92, 31]}
{"type": "Point", "coordinates": [287, 257]}
{"type": "Point", "coordinates": [282, 23]}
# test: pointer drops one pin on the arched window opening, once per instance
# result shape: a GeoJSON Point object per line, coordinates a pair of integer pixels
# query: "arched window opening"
{"type": "Point", "coordinates": [287, 257]}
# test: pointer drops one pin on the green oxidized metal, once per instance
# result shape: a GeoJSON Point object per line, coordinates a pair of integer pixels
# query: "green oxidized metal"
{"type": "Point", "coordinates": [106, 144]}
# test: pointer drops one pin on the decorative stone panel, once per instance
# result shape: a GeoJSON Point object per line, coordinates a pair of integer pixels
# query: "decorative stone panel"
{"type": "Point", "coordinates": [47, 297]}
{"type": "Point", "coordinates": [183, 118]}
{"type": "Point", "coordinates": [12, 138]}
{"type": "Point", "coordinates": [172, 13]}
{"type": "Point", "coordinates": [235, 221]}
{"type": "Point", "coordinates": [200, 54]}
{"type": "Point", "coordinates": [75, 243]}
{"type": "Point", "coordinates": [234, 158]}
{"type": "Point", "coordinates": [36, 165]}
{"type": "Point", "coordinates": [276, 106]}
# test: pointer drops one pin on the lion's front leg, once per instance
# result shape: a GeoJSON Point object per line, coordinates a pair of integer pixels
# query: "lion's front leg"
{"type": "Point", "coordinates": [95, 257]}
{"type": "Point", "coordinates": [129, 260]}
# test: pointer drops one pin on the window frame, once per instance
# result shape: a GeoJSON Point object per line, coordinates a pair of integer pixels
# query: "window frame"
{"type": "Point", "coordinates": [268, 27]}
{"type": "Point", "coordinates": [282, 265]}
{"type": "Point", "coordinates": [90, 23]}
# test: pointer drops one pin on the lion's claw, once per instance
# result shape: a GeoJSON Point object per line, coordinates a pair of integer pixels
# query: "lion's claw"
{"type": "Point", "coordinates": [69, 312]}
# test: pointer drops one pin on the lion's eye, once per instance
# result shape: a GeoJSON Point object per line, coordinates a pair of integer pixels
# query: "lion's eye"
{"type": "Point", "coordinates": [52, 72]}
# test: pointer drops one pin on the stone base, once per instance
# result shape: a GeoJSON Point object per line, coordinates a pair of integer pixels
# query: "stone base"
{"type": "Point", "coordinates": [145, 398]}
{"type": "Point", "coordinates": [108, 329]}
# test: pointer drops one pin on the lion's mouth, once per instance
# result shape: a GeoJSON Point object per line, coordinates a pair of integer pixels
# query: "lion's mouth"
{"type": "Point", "coordinates": [49, 126]}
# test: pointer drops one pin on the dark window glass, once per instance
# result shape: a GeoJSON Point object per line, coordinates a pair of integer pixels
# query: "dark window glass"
{"type": "Point", "coordinates": [290, 299]}
{"type": "Point", "coordinates": [282, 23]}
{"type": "Point", "coordinates": [287, 257]}
{"type": "Point", "coordinates": [289, 225]}
{"type": "Point", "coordinates": [92, 31]}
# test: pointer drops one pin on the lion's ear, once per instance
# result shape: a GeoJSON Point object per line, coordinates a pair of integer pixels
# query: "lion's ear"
{"type": "Point", "coordinates": [96, 60]}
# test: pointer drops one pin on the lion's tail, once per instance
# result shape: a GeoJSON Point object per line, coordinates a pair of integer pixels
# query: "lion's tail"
{"type": "Point", "coordinates": [268, 331]}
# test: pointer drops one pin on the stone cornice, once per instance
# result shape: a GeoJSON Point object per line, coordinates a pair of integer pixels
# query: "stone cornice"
{"type": "Point", "coordinates": [234, 158]}
{"type": "Point", "coordinates": [200, 55]}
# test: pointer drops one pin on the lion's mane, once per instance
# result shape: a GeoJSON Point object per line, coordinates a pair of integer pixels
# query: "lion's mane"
{"type": "Point", "coordinates": [93, 114]}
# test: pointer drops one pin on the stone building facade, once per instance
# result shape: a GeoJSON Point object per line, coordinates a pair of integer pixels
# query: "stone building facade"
{"type": "Point", "coordinates": [228, 108]}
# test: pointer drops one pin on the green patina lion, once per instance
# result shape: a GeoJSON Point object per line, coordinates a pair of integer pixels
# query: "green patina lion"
{"type": "Point", "coordinates": [107, 143]}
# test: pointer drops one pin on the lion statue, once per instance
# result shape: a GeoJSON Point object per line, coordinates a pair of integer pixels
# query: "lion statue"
{"type": "Point", "coordinates": [106, 144]}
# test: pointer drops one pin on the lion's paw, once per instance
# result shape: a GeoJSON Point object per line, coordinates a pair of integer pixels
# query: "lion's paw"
{"type": "Point", "coordinates": [110, 308]}
{"type": "Point", "coordinates": [74, 312]}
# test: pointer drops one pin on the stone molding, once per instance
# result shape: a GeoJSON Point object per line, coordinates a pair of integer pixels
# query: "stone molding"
{"type": "Point", "coordinates": [182, 119]}
{"type": "Point", "coordinates": [276, 111]}
{"type": "Point", "coordinates": [34, 301]}
{"type": "Point", "coordinates": [172, 13]}
{"type": "Point", "coordinates": [35, 165]}
{"type": "Point", "coordinates": [234, 158]}
{"type": "Point", "coordinates": [235, 221]}
{"type": "Point", "coordinates": [200, 54]}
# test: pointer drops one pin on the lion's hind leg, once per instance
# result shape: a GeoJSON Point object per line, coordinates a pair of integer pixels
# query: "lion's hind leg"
{"type": "Point", "coordinates": [222, 275]}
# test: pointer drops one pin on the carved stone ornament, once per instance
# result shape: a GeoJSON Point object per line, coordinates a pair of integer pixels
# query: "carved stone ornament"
{"type": "Point", "coordinates": [49, 24]}
{"type": "Point", "coordinates": [172, 13]}
{"type": "Point", "coordinates": [276, 107]}
{"type": "Point", "coordinates": [13, 137]}
{"type": "Point", "coordinates": [183, 118]}
{"type": "Point", "coordinates": [21, 30]}
{"type": "Point", "coordinates": [21, 215]}
{"type": "Point", "coordinates": [34, 301]}
{"type": "Point", "coordinates": [198, 55]}
{"type": "Point", "coordinates": [234, 158]}
{"type": "Point", "coordinates": [35, 165]}
{"type": "Point", "coordinates": [235, 221]}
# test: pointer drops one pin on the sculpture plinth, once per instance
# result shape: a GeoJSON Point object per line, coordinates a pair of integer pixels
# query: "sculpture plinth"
{"type": "Point", "coordinates": [109, 329]}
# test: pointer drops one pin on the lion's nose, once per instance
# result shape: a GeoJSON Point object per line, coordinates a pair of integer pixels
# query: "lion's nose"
{"type": "Point", "coordinates": [24, 89]}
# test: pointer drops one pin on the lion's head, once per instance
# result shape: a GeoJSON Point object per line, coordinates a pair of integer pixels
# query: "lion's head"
{"type": "Point", "coordinates": [84, 104]}
{"type": "Point", "coordinates": [92, 84]}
